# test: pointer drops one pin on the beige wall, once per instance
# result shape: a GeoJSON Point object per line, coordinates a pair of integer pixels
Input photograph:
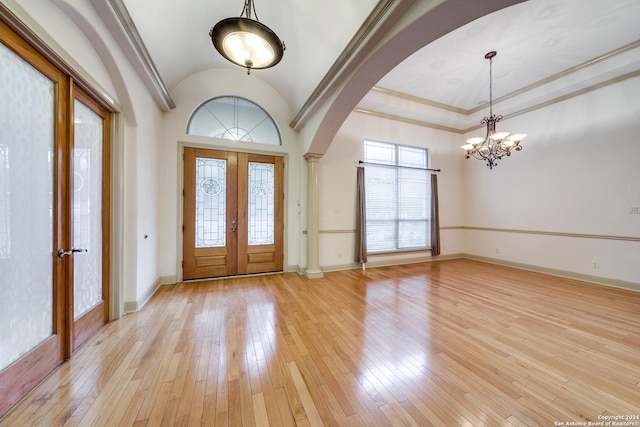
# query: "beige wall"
{"type": "Point", "coordinates": [577, 174]}
{"type": "Point", "coordinates": [188, 95]}
{"type": "Point", "coordinates": [338, 186]}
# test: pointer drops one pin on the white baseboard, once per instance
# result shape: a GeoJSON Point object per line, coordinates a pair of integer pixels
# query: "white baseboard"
{"type": "Point", "coordinates": [553, 272]}
{"type": "Point", "coordinates": [614, 283]}
{"type": "Point", "coordinates": [390, 262]}
{"type": "Point", "coordinates": [133, 306]}
{"type": "Point", "coordinates": [168, 280]}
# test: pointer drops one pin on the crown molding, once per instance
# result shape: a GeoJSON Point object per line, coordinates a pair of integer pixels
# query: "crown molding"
{"type": "Point", "coordinates": [560, 75]}
{"type": "Point", "coordinates": [420, 100]}
{"type": "Point", "coordinates": [137, 52]}
{"type": "Point", "coordinates": [408, 120]}
{"type": "Point", "coordinates": [460, 130]}
{"type": "Point", "coordinates": [523, 90]}
{"type": "Point", "coordinates": [344, 61]}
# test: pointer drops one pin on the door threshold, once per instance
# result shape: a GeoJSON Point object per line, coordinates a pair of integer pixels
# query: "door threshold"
{"type": "Point", "coordinates": [268, 273]}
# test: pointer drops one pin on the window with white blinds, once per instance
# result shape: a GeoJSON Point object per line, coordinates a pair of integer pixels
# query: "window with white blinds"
{"type": "Point", "coordinates": [397, 188]}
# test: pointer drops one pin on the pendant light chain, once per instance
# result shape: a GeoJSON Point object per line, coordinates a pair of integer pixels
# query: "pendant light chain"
{"type": "Point", "coordinates": [491, 86]}
{"type": "Point", "coordinates": [250, 9]}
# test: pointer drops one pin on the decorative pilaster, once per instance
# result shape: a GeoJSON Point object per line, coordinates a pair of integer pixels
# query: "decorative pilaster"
{"type": "Point", "coordinates": [313, 218]}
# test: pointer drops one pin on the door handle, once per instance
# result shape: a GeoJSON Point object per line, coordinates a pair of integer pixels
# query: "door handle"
{"type": "Point", "coordinates": [62, 253]}
{"type": "Point", "coordinates": [233, 226]}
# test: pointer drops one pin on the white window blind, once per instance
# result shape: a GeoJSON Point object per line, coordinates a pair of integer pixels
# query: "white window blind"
{"type": "Point", "coordinates": [397, 187]}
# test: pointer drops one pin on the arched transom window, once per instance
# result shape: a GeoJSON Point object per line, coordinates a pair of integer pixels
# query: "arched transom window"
{"type": "Point", "coordinates": [237, 119]}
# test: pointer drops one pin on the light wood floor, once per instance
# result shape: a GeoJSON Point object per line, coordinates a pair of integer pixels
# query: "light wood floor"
{"type": "Point", "coordinates": [445, 343]}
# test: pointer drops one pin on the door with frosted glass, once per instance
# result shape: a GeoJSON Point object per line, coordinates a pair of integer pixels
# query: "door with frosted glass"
{"type": "Point", "coordinates": [90, 201]}
{"type": "Point", "coordinates": [232, 213]}
{"type": "Point", "coordinates": [32, 211]}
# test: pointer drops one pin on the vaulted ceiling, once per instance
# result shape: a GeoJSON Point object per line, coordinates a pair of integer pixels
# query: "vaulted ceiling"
{"type": "Point", "coordinates": [546, 49]}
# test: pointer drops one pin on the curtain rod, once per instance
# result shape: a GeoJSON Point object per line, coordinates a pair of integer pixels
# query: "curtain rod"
{"type": "Point", "coordinates": [397, 167]}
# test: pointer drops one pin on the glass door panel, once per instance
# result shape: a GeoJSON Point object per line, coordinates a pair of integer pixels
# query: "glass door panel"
{"type": "Point", "coordinates": [26, 207]}
{"type": "Point", "coordinates": [211, 202]}
{"type": "Point", "coordinates": [261, 204]}
{"type": "Point", "coordinates": [209, 238]}
{"type": "Point", "coordinates": [87, 209]}
{"type": "Point", "coordinates": [89, 252]}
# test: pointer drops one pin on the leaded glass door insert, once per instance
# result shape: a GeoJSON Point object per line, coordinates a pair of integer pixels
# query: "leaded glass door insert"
{"type": "Point", "coordinates": [261, 204]}
{"type": "Point", "coordinates": [211, 201]}
{"type": "Point", "coordinates": [232, 213]}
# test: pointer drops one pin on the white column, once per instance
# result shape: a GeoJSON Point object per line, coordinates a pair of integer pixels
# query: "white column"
{"type": "Point", "coordinates": [313, 240]}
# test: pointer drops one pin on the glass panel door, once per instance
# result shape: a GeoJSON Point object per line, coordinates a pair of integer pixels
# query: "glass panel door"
{"type": "Point", "coordinates": [210, 213]}
{"type": "Point", "coordinates": [233, 222]}
{"type": "Point", "coordinates": [260, 203]}
{"type": "Point", "coordinates": [90, 231]}
{"type": "Point", "coordinates": [32, 339]}
{"type": "Point", "coordinates": [54, 197]}
{"type": "Point", "coordinates": [87, 212]}
{"type": "Point", "coordinates": [26, 207]}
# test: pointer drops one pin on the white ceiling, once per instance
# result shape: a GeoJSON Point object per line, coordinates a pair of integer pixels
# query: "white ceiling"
{"type": "Point", "coordinates": [534, 40]}
{"type": "Point", "coordinates": [176, 34]}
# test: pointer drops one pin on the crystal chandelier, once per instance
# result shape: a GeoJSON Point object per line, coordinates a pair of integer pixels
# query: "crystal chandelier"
{"type": "Point", "coordinates": [495, 145]}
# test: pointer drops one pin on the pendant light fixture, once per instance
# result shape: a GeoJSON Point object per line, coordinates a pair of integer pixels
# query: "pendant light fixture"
{"type": "Point", "coordinates": [247, 42]}
{"type": "Point", "coordinates": [495, 145]}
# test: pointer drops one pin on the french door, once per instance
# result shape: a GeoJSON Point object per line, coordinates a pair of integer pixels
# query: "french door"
{"type": "Point", "coordinates": [233, 220]}
{"type": "Point", "coordinates": [53, 239]}
{"type": "Point", "coordinates": [90, 166]}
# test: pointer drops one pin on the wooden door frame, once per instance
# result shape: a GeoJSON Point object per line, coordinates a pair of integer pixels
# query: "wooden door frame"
{"type": "Point", "coordinates": [221, 261]}
{"type": "Point", "coordinates": [48, 355]}
{"type": "Point", "coordinates": [180, 204]}
{"type": "Point", "coordinates": [249, 260]}
{"type": "Point", "coordinates": [18, 21]}
{"type": "Point", "coordinates": [45, 357]}
{"type": "Point", "coordinates": [82, 328]}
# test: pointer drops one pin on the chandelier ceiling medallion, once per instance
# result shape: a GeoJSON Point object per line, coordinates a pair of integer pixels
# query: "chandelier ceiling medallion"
{"type": "Point", "coordinates": [495, 145]}
{"type": "Point", "coordinates": [247, 42]}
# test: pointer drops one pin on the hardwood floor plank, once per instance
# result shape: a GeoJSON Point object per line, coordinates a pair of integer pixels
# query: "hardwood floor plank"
{"type": "Point", "coordinates": [260, 410]}
{"type": "Point", "coordinates": [443, 343]}
{"type": "Point", "coordinates": [284, 408]}
{"type": "Point", "coordinates": [310, 410]}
